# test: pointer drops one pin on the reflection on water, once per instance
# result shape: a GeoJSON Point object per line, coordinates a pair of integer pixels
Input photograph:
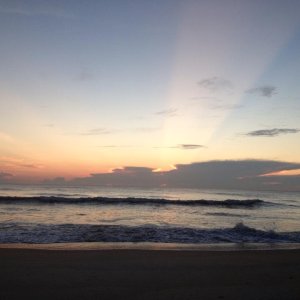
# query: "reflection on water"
{"type": "Point", "coordinates": [283, 216]}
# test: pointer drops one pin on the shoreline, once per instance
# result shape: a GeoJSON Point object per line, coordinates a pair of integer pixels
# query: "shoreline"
{"type": "Point", "coordinates": [149, 246]}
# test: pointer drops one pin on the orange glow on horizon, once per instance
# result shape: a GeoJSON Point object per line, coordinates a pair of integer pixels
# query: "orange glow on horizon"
{"type": "Point", "coordinates": [295, 172]}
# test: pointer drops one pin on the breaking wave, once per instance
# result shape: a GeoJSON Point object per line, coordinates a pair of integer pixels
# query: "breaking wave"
{"type": "Point", "coordinates": [229, 203]}
{"type": "Point", "coordinates": [64, 233]}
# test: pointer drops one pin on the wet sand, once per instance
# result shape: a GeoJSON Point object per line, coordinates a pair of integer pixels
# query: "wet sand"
{"type": "Point", "coordinates": [142, 274]}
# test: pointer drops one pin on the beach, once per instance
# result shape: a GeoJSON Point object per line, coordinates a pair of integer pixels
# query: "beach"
{"type": "Point", "coordinates": [149, 274]}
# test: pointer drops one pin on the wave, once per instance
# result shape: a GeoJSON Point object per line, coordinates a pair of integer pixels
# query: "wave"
{"type": "Point", "coordinates": [59, 195]}
{"type": "Point", "coordinates": [228, 203]}
{"type": "Point", "coordinates": [223, 214]}
{"type": "Point", "coordinates": [64, 233]}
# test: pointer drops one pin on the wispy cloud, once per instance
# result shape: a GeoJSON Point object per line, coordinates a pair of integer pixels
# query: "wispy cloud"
{"type": "Point", "coordinates": [214, 84]}
{"type": "Point", "coordinates": [264, 91]}
{"type": "Point", "coordinates": [4, 175]}
{"type": "Point", "coordinates": [31, 166]}
{"type": "Point", "coordinates": [104, 130]}
{"type": "Point", "coordinates": [171, 112]}
{"type": "Point", "coordinates": [97, 131]}
{"type": "Point", "coordinates": [190, 146]}
{"type": "Point", "coordinates": [18, 162]}
{"type": "Point", "coordinates": [272, 132]}
{"type": "Point", "coordinates": [181, 146]}
{"type": "Point", "coordinates": [37, 8]}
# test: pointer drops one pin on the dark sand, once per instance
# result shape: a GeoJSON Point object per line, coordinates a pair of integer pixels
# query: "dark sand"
{"type": "Point", "coordinates": [139, 274]}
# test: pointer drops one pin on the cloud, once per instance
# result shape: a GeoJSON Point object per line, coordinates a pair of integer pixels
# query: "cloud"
{"type": "Point", "coordinates": [97, 131]}
{"type": "Point", "coordinates": [264, 91]}
{"type": "Point", "coordinates": [104, 130]}
{"type": "Point", "coordinates": [37, 8]}
{"type": "Point", "coordinates": [226, 174]}
{"type": "Point", "coordinates": [190, 146]}
{"type": "Point", "coordinates": [215, 84]}
{"type": "Point", "coordinates": [182, 146]}
{"type": "Point", "coordinates": [272, 132]}
{"type": "Point", "coordinates": [129, 176]}
{"type": "Point", "coordinates": [18, 162]}
{"type": "Point", "coordinates": [179, 146]}
{"type": "Point", "coordinates": [171, 112]}
{"type": "Point", "coordinates": [230, 174]}
{"type": "Point", "coordinates": [133, 170]}
{"type": "Point", "coordinates": [31, 166]}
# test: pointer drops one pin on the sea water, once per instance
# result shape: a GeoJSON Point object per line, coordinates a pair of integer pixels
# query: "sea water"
{"type": "Point", "coordinates": [55, 214]}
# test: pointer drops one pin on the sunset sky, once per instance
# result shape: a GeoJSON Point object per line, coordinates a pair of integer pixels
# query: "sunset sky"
{"type": "Point", "coordinates": [87, 87]}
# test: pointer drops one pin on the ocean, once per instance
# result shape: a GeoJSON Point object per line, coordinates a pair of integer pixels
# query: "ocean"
{"type": "Point", "coordinates": [55, 214]}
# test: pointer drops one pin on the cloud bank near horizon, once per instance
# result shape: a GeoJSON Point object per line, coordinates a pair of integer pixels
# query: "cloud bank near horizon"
{"type": "Point", "coordinates": [227, 174]}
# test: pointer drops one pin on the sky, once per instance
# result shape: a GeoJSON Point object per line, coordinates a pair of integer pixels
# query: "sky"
{"type": "Point", "coordinates": [94, 89]}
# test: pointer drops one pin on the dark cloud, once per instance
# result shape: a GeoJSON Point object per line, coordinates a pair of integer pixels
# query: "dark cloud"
{"type": "Point", "coordinates": [97, 131]}
{"type": "Point", "coordinates": [242, 174]}
{"type": "Point", "coordinates": [264, 91]}
{"type": "Point", "coordinates": [133, 170]}
{"type": "Point", "coordinates": [127, 176]}
{"type": "Point", "coordinates": [215, 84]}
{"type": "Point", "coordinates": [190, 146]}
{"type": "Point", "coordinates": [272, 132]}
{"type": "Point", "coordinates": [228, 174]}
{"type": "Point", "coordinates": [167, 112]}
